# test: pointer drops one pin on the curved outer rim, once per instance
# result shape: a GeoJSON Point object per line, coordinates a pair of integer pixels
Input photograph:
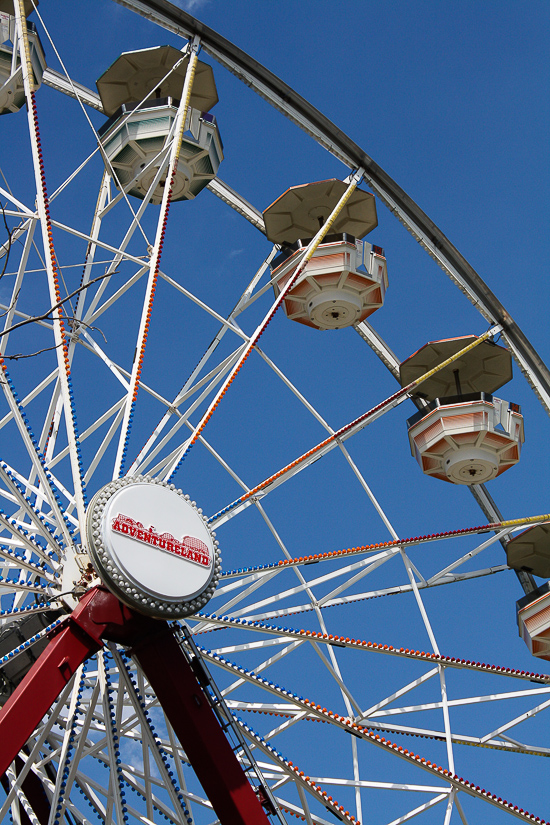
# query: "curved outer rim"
{"type": "Point", "coordinates": [416, 221]}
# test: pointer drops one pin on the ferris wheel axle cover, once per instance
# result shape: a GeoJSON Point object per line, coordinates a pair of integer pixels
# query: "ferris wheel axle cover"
{"type": "Point", "coordinates": [152, 547]}
{"type": "Point", "coordinates": [485, 368]}
{"type": "Point", "coordinates": [301, 211]}
{"type": "Point", "coordinates": [134, 75]}
{"type": "Point", "coordinates": [530, 551]}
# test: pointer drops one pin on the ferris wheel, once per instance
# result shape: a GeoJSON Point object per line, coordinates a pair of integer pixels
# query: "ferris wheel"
{"type": "Point", "coordinates": [201, 620]}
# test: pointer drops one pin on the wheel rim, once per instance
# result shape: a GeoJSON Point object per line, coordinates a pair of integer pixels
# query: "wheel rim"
{"type": "Point", "coordinates": [276, 594]}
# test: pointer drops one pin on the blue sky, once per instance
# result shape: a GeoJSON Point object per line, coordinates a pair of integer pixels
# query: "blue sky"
{"type": "Point", "coordinates": [452, 100]}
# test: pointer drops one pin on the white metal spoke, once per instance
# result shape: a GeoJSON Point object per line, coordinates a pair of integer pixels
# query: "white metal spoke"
{"type": "Point", "coordinates": [51, 267]}
{"type": "Point", "coordinates": [179, 125]}
{"type": "Point", "coordinates": [31, 396]}
{"type": "Point", "coordinates": [17, 283]}
{"type": "Point", "coordinates": [210, 380]}
{"type": "Point", "coordinates": [460, 811]}
{"type": "Point", "coordinates": [21, 798]}
{"type": "Point", "coordinates": [407, 588]}
{"type": "Point", "coordinates": [450, 806]}
{"type": "Point", "coordinates": [147, 734]}
{"type": "Point", "coordinates": [93, 313]}
{"type": "Point", "coordinates": [471, 700]}
{"type": "Point", "coordinates": [264, 665]}
{"type": "Point", "coordinates": [389, 699]}
{"type": "Point", "coordinates": [227, 324]}
{"type": "Point", "coordinates": [190, 382]}
{"type": "Point", "coordinates": [21, 206]}
{"type": "Point", "coordinates": [420, 809]}
{"type": "Point", "coordinates": [260, 328]}
{"type": "Point", "coordinates": [284, 726]}
{"type": "Point", "coordinates": [530, 713]}
{"type": "Point", "coordinates": [329, 429]}
{"type": "Point", "coordinates": [33, 756]}
{"type": "Point", "coordinates": [336, 675]}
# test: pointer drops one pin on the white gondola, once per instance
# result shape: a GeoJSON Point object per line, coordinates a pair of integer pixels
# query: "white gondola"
{"type": "Point", "coordinates": [346, 279]}
{"type": "Point", "coordinates": [462, 433]}
{"type": "Point", "coordinates": [134, 143]}
{"type": "Point", "coordinates": [466, 439]}
{"type": "Point", "coordinates": [343, 283]}
{"type": "Point", "coordinates": [533, 614]}
{"type": "Point", "coordinates": [12, 92]}
{"type": "Point", "coordinates": [141, 92]}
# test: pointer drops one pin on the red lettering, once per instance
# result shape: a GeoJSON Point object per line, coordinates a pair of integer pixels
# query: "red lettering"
{"type": "Point", "coordinates": [190, 548]}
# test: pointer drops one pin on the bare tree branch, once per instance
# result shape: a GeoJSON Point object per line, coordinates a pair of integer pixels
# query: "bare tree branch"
{"type": "Point", "coordinates": [8, 230]}
{"type": "Point", "coordinates": [19, 355]}
{"type": "Point", "coordinates": [13, 303]}
{"type": "Point", "coordinates": [75, 323]}
{"type": "Point", "coordinates": [46, 316]}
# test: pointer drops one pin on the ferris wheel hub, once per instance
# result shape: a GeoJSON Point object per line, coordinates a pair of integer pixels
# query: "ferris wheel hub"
{"type": "Point", "coordinates": [152, 547]}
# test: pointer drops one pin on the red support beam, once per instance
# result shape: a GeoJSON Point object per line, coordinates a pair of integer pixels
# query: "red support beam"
{"type": "Point", "coordinates": [198, 730]}
{"type": "Point", "coordinates": [98, 616]}
{"type": "Point", "coordinates": [41, 686]}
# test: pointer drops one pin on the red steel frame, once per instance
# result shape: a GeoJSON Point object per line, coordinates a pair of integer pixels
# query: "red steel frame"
{"type": "Point", "coordinates": [101, 616]}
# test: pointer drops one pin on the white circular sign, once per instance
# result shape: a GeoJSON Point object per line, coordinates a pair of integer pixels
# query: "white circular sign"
{"type": "Point", "coordinates": [152, 547]}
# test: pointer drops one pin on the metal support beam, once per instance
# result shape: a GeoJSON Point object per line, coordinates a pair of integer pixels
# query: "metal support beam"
{"type": "Point", "coordinates": [196, 726]}
{"type": "Point", "coordinates": [34, 791]}
{"type": "Point", "coordinates": [41, 686]}
{"type": "Point", "coordinates": [98, 616]}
